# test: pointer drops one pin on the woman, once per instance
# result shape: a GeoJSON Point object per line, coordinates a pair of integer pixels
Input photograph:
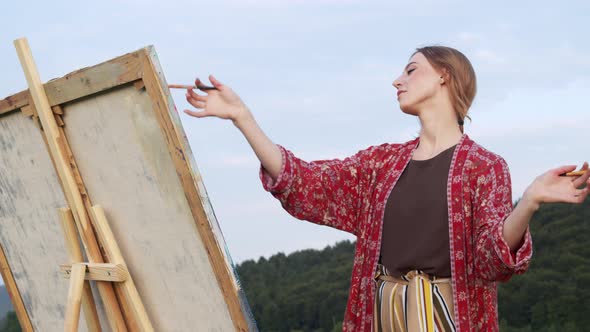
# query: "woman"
{"type": "Point", "coordinates": [415, 268]}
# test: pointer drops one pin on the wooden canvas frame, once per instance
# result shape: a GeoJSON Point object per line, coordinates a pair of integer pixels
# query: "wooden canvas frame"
{"type": "Point", "coordinates": [142, 70]}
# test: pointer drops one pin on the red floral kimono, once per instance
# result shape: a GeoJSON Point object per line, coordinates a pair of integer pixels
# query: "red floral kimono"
{"type": "Point", "coordinates": [351, 194]}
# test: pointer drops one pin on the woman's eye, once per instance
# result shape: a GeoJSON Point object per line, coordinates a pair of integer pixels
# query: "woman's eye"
{"type": "Point", "coordinates": [411, 70]}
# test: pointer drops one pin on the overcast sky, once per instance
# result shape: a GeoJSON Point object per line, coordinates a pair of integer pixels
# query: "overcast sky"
{"type": "Point", "coordinates": [317, 75]}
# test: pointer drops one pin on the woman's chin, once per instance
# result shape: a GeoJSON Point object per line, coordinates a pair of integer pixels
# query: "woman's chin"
{"type": "Point", "coordinates": [408, 109]}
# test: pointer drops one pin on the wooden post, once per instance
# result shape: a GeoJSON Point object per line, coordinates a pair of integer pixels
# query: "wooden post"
{"type": "Point", "coordinates": [75, 297]}
{"type": "Point", "coordinates": [131, 299]}
{"type": "Point", "coordinates": [15, 298]}
{"type": "Point", "coordinates": [73, 248]}
{"type": "Point", "coordinates": [71, 191]}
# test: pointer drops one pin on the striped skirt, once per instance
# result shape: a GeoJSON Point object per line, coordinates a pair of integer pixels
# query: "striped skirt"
{"type": "Point", "coordinates": [415, 302]}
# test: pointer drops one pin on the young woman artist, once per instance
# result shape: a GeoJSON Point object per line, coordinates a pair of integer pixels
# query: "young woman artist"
{"type": "Point", "coordinates": [434, 218]}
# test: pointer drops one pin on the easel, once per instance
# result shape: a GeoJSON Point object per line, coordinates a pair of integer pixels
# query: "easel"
{"type": "Point", "coordinates": [124, 308]}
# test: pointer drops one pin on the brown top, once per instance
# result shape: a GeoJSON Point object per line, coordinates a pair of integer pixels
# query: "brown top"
{"type": "Point", "coordinates": [415, 222]}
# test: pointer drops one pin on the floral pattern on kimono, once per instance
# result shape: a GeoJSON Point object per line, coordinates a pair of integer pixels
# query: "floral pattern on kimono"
{"type": "Point", "coordinates": [350, 194]}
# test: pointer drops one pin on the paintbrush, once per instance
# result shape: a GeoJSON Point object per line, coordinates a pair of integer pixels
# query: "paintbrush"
{"type": "Point", "coordinates": [576, 173]}
{"type": "Point", "coordinates": [200, 87]}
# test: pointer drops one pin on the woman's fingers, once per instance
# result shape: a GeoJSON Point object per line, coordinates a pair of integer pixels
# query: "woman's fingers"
{"type": "Point", "coordinates": [580, 180]}
{"type": "Point", "coordinates": [198, 82]}
{"type": "Point", "coordinates": [215, 82]}
{"type": "Point", "coordinates": [197, 114]}
{"type": "Point", "coordinates": [196, 96]}
{"type": "Point", "coordinates": [563, 169]}
{"type": "Point", "coordinates": [580, 195]}
{"type": "Point", "coordinates": [196, 103]}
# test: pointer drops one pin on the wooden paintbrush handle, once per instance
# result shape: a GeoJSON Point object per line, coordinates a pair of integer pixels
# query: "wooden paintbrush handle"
{"type": "Point", "coordinates": [200, 87]}
{"type": "Point", "coordinates": [576, 173]}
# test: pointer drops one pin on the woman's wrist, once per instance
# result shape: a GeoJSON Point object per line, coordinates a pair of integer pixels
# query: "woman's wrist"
{"type": "Point", "coordinates": [243, 118]}
{"type": "Point", "coordinates": [529, 201]}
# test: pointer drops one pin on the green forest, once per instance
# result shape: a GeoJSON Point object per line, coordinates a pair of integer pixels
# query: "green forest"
{"type": "Point", "coordinates": [10, 323]}
{"type": "Point", "coordinates": [307, 290]}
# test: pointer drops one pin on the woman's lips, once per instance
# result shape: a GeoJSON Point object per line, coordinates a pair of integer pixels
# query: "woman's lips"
{"type": "Point", "coordinates": [399, 93]}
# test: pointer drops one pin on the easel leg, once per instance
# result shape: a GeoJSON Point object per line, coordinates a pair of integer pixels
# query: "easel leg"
{"type": "Point", "coordinates": [131, 303]}
{"type": "Point", "coordinates": [75, 253]}
{"type": "Point", "coordinates": [75, 297]}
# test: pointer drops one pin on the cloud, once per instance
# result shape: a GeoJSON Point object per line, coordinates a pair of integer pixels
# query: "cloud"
{"type": "Point", "coordinates": [490, 56]}
{"type": "Point", "coordinates": [237, 161]}
{"type": "Point", "coordinates": [469, 37]}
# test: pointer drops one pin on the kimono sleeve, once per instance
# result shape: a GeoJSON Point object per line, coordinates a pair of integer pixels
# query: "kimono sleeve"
{"type": "Point", "coordinates": [325, 192]}
{"type": "Point", "coordinates": [494, 261]}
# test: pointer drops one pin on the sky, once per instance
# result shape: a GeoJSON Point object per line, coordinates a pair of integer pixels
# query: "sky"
{"type": "Point", "coordinates": [317, 75]}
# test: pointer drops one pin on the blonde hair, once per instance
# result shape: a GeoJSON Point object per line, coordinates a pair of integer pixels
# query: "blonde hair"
{"type": "Point", "coordinates": [459, 76]}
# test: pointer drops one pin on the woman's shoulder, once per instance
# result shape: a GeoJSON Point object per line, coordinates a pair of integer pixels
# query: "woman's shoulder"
{"type": "Point", "coordinates": [482, 160]}
{"type": "Point", "coordinates": [389, 147]}
{"type": "Point", "coordinates": [479, 152]}
{"type": "Point", "coordinates": [386, 150]}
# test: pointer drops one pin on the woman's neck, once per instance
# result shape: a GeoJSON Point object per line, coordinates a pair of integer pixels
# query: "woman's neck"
{"type": "Point", "coordinates": [436, 138]}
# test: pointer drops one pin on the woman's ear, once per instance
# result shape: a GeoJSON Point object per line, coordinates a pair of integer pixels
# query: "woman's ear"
{"type": "Point", "coordinates": [444, 77]}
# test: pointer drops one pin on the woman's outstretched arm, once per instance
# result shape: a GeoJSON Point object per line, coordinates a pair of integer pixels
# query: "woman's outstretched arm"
{"type": "Point", "coordinates": [330, 192]}
{"type": "Point", "coordinates": [504, 243]}
{"type": "Point", "coordinates": [548, 187]}
{"type": "Point", "coordinates": [326, 192]}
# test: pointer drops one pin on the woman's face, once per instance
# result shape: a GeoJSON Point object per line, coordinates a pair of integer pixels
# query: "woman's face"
{"type": "Point", "coordinates": [417, 85]}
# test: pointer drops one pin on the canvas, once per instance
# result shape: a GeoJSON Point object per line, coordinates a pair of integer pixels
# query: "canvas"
{"type": "Point", "coordinates": [131, 156]}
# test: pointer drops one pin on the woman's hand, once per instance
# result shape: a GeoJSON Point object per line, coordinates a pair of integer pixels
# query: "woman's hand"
{"type": "Point", "coordinates": [223, 103]}
{"type": "Point", "coordinates": [549, 187]}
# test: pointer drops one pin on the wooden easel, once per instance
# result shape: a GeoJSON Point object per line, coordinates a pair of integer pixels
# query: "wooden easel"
{"type": "Point", "coordinates": [80, 273]}
{"type": "Point", "coordinates": [124, 308]}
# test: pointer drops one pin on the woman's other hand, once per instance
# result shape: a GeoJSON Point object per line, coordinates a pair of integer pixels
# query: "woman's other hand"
{"type": "Point", "coordinates": [550, 187]}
